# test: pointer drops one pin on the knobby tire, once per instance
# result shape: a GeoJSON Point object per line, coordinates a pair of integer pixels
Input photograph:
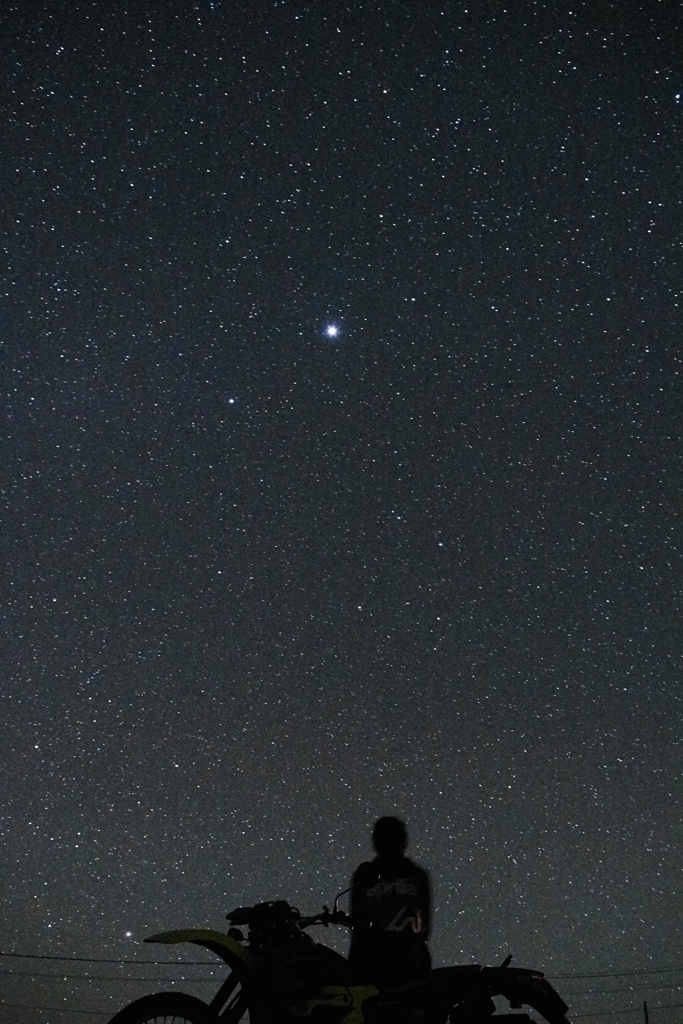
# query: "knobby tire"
{"type": "Point", "coordinates": [165, 1008]}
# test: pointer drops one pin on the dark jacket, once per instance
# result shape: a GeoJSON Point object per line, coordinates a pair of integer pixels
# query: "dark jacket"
{"type": "Point", "coordinates": [391, 915]}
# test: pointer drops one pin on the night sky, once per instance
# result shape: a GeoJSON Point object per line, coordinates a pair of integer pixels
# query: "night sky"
{"type": "Point", "coordinates": [341, 474]}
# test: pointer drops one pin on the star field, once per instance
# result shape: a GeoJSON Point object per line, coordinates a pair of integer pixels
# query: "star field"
{"type": "Point", "coordinates": [341, 477]}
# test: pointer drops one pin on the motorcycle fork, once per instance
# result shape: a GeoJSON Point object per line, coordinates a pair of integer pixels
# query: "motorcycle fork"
{"type": "Point", "coordinates": [236, 1006]}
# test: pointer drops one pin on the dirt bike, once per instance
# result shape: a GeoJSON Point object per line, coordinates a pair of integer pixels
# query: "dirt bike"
{"type": "Point", "coordinates": [279, 975]}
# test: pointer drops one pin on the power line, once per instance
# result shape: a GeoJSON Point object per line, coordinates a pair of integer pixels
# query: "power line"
{"type": "Point", "coordinates": [210, 963]}
{"type": "Point", "coordinates": [108, 977]}
{"type": "Point", "coordinates": [634, 1009]}
{"type": "Point", "coordinates": [57, 1009]}
{"type": "Point", "coordinates": [621, 974]}
{"type": "Point", "coordinates": [94, 977]}
{"type": "Point", "coordinates": [605, 1013]}
{"type": "Point", "coordinates": [100, 960]}
{"type": "Point", "coordinates": [623, 988]}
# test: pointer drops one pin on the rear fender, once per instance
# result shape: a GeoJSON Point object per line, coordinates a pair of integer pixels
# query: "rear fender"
{"type": "Point", "coordinates": [228, 949]}
{"type": "Point", "coordinates": [527, 987]}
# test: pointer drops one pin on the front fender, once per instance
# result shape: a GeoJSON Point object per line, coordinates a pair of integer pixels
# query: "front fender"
{"type": "Point", "coordinates": [228, 949]}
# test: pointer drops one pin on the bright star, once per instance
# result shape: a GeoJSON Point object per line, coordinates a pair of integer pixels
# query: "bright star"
{"type": "Point", "coordinates": [332, 331]}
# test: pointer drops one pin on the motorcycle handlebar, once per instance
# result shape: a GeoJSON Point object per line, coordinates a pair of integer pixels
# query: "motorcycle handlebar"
{"type": "Point", "coordinates": [326, 918]}
{"type": "Point", "coordinates": [243, 915]}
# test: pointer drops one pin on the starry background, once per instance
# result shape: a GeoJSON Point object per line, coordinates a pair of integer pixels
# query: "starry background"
{"type": "Point", "coordinates": [262, 581]}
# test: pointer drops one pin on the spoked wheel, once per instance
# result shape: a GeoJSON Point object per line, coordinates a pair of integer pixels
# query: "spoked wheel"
{"type": "Point", "coordinates": [166, 1008]}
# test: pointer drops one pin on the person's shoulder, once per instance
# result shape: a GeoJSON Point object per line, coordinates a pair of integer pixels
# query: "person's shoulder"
{"type": "Point", "coordinates": [363, 871]}
{"type": "Point", "coordinates": [415, 869]}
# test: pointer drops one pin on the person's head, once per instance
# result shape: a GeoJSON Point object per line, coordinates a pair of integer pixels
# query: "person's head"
{"type": "Point", "coordinates": [389, 837]}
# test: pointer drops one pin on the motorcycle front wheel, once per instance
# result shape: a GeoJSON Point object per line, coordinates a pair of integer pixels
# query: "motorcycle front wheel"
{"type": "Point", "coordinates": [165, 1008]}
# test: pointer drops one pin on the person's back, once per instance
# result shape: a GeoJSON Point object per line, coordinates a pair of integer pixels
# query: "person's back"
{"type": "Point", "coordinates": [390, 910]}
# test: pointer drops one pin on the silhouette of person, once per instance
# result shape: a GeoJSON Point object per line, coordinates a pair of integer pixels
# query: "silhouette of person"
{"type": "Point", "coordinates": [390, 910]}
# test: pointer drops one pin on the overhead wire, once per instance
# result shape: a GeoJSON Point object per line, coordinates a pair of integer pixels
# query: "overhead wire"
{"type": "Point", "coordinates": [636, 987]}
{"type": "Point", "coordinates": [622, 974]}
{"type": "Point", "coordinates": [56, 1009]}
{"type": "Point", "coordinates": [623, 988]}
{"type": "Point", "coordinates": [92, 977]}
{"type": "Point", "coordinates": [101, 960]}
{"type": "Point", "coordinates": [633, 1009]}
{"type": "Point", "coordinates": [214, 963]}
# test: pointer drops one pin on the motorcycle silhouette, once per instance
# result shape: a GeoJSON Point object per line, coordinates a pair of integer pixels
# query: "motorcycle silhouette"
{"type": "Point", "coordinates": [279, 975]}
